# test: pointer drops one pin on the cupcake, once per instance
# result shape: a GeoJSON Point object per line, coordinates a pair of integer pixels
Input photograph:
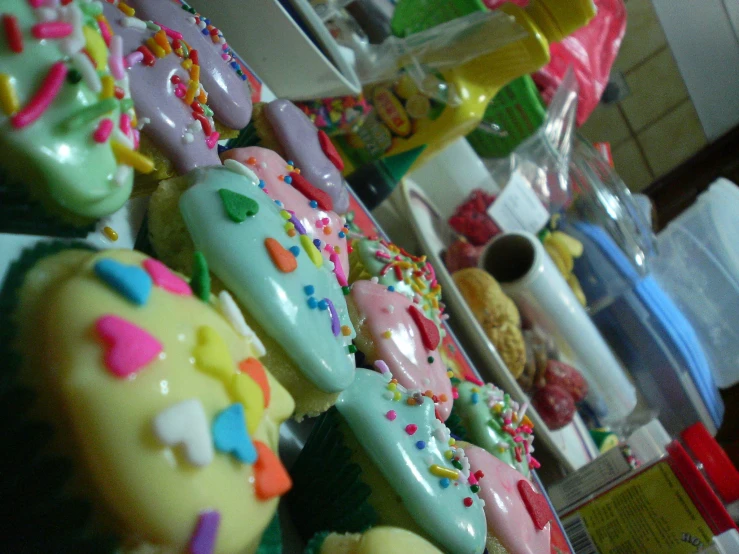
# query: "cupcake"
{"type": "Point", "coordinates": [166, 78]}
{"type": "Point", "coordinates": [312, 208]}
{"type": "Point", "coordinates": [382, 457]}
{"type": "Point", "coordinates": [394, 334]}
{"type": "Point", "coordinates": [487, 417]}
{"type": "Point", "coordinates": [229, 94]}
{"type": "Point", "coordinates": [283, 127]}
{"type": "Point", "coordinates": [143, 420]}
{"type": "Point", "coordinates": [67, 149]}
{"type": "Point", "coordinates": [288, 292]}
{"type": "Point", "coordinates": [379, 540]}
{"type": "Point", "coordinates": [518, 517]}
{"type": "Point", "coordinates": [497, 315]}
{"type": "Point", "coordinates": [412, 276]}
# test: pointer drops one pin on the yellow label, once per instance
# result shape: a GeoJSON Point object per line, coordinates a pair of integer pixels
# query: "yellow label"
{"type": "Point", "coordinates": [649, 514]}
{"type": "Point", "coordinates": [392, 112]}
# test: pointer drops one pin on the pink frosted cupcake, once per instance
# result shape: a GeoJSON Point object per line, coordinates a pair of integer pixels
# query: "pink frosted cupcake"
{"type": "Point", "coordinates": [396, 336]}
{"type": "Point", "coordinates": [518, 517]}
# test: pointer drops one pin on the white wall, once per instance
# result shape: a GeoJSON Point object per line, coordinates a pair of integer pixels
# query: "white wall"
{"type": "Point", "coordinates": [704, 38]}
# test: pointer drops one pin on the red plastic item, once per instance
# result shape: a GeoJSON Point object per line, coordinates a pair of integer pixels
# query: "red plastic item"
{"type": "Point", "coordinates": [716, 463]}
{"type": "Point", "coordinates": [471, 220]}
{"type": "Point", "coordinates": [591, 52]}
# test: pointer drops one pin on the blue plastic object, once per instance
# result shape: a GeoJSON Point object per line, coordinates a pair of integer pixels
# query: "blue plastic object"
{"type": "Point", "coordinates": [650, 334]}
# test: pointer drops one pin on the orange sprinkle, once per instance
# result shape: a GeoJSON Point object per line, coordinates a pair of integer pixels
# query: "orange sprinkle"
{"type": "Point", "coordinates": [254, 369]}
{"type": "Point", "coordinates": [281, 257]}
{"type": "Point", "coordinates": [270, 476]}
{"type": "Point", "coordinates": [161, 39]}
{"type": "Point", "coordinates": [327, 230]}
{"type": "Point", "coordinates": [527, 421]}
{"type": "Point", "coordinates": [291, 233]}
{"type": "Point", "coordinates": [428, 394]}
{"type": "Point", "coordinates": [202, 97]}
{"type": "Point", "coordinates": [345, 330]}
{"type": "Point", "coordinates": [192, 89]}
{"type": "Point", "coordinates": [442, 398]}
{"type": "Point", "coordinates": [195, 73]}
{"type": "Point", "coordinates": [251, 161]}
{"type": "Point", "coordinates": [411, 401]}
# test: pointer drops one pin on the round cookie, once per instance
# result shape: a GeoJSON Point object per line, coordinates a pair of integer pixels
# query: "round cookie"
{"type": "Point", "coordinates": [392, 329]}
{"type": "Point", "coordinates": [392, 462]}
{"type": "Point", "coordinates": [228, 92]}
{"type": "Point", "coordinates": [282, 182]}
{"type": "Point", "coordinates": [412, 276]}
{"type": "Point", "coordinates": [492, 421]}
{"type": "Point", "coordinates": [289, 293]}
{"type": "Point", "coordinates": [518, 521]}
{"type": "Point", "coordinates": [65, 113]}
{"type": "Point", "coordinates": [170, 419]}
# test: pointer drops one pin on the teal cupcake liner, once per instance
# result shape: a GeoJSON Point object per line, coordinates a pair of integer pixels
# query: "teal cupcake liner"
{"type": "Point", "coordinates": [314, 545]}
{"type": "Point", "coordinates": [248, 136]}
{"type": "Point", "coordinates": [456, 425]}
{"type": "Point", "coordinates": [21, 214]}
{"type": "Point", "coordinates": [328, 493]}
{"type": "Point", "coordinates": [38, 513]}
{"type": "Point", "coordinates": [272, 538]}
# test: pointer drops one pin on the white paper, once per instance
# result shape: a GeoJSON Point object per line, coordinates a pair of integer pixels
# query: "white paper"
{"type": "Point", "coordinates": [518, 208]}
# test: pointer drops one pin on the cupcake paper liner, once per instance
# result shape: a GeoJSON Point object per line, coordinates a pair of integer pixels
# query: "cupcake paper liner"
{"type": "Point", "coordinates": [272, 538]}
{"type": "Point", "coordinates": [42, 514]}
{"type": "Point", "coordinates": [323, 465]}
{"type": "Point", "coordinates": [22, 214]}
{"type": "Point", "coordinates": [314, 545]}
{"type": "Point", "coordinates": [456, 425]}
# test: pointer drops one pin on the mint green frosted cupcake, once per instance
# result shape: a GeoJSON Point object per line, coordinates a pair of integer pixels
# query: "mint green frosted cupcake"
{"type": "Point", "coordinates": [381, 457]}
{"type": "Point", "coordinates": [488, 417]}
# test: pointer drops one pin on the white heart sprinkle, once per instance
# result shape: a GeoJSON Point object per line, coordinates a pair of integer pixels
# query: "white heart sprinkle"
{"type": "Point", "coordinates": [186, 423]}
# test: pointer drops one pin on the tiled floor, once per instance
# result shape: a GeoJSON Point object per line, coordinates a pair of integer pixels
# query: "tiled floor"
{"type": "Point", "coordinates": [655, 128]}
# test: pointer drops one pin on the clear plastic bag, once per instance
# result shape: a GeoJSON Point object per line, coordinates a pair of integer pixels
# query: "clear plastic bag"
{"type": "Point", "coordinates": [542, 161]}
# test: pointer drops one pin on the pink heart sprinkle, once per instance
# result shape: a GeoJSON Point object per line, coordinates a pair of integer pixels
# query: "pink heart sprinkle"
{"type": "Point", "coordinates": [165, 279]}
{"type": "Point", "coordinates": [130, 348]}
{"type": "Point", "coordinates": [411, 428]}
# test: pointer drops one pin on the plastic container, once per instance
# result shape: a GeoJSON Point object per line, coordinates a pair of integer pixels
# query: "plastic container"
{"type": "Point", "coordinates": [698, 266]}
{"type": "Point", "coordinates": [675, 505]}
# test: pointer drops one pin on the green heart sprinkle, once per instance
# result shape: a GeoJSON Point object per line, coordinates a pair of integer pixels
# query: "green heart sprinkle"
{"type": "Point", "coordinates": [238, 207]}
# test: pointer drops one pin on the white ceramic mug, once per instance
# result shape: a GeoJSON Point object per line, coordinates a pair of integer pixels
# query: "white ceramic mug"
{"type": "Point", "coordinates": [527, 274]}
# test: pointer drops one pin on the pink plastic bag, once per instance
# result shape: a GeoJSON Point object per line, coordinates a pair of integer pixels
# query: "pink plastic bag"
{"type": "Point", "coordinates": [591, 52]}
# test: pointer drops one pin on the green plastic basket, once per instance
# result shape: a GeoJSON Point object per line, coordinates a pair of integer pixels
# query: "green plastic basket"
{"type": "Point", "coordinates": [511, 117]}
{"type": "Point", "coordinates": [413, 16]}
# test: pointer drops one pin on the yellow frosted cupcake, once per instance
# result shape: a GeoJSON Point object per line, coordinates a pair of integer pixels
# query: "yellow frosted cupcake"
{"type": "Point", "coordinates": [164, 422]}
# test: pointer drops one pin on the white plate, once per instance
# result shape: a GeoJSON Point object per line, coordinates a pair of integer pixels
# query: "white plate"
{"type": "Point", "coordinates": [571, 445]}
{"type": "Point", "coordinates": [279, 51]}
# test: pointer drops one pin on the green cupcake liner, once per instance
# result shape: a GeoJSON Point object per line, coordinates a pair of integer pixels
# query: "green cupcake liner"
{"type": "Point", "coordinates": [21, 214]}
{"type": "Point", "coordinates": [248, 136]}
{"type": "Point", "coordinates": [328, 493]}
{"type": "Point", "coordinates": [272, 538]}
{"type": "Point", "coordinates": [314, 545]}
{"type": "Point", "coordinates": [38, 512]}
{"type": "Point", "coordinates": [456, 425]}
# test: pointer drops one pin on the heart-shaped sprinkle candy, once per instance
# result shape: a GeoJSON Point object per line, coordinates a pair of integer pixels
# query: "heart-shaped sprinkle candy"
{"type": "Point", "coordinates": [248, 393]}
{"type": "Point", "coordinates": [211, 354]}
{"type": "Point", "coordinates": [283, 259]}
{"type": "Point", "coordinates": [230, 434]}
{"type": "Point", "coordinates": [330, 150]}
{"type": "Point", "coordinates": [130, 281]}
{"type": "Point", "coordinates": [429, 331]}
{"type": "Point", "coordinates": [238, 207]}
{"type": "Point", "coordinates": [129, 347]}
{"type": "Point", "coordinates": [254, 369]}
{"type": "Point", "coordinates": [535, 503]}
{"type": "Point", "coordinates": [165, 279]}
{"type": "Point", "coordinates": [185, 423]}
{"type": "Point", "coordinates": [270, 476]}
